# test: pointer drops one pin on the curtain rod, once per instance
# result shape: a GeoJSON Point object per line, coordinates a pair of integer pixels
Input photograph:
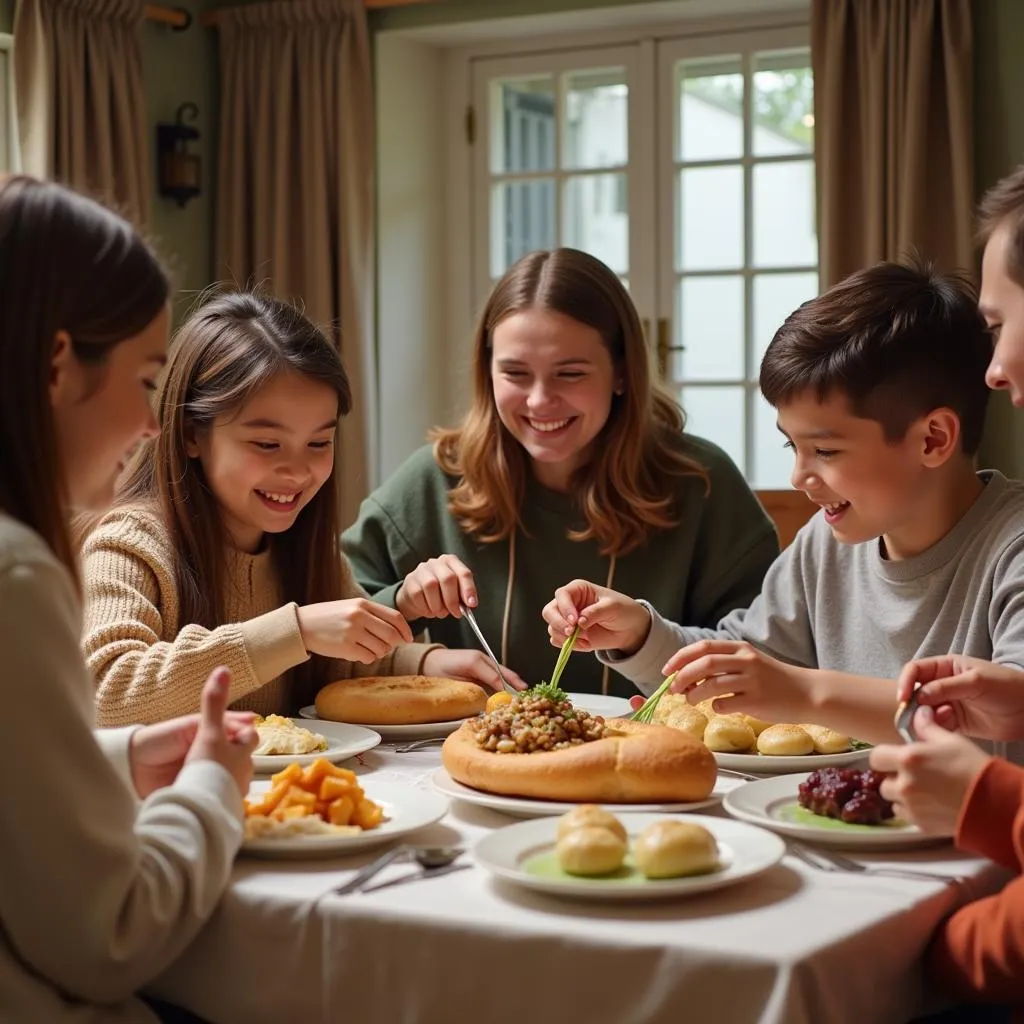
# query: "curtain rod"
{"type": "Point", "coordinates": [180, 18]}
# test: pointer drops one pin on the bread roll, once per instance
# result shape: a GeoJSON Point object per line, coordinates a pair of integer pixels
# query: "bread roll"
{"type": "Point", "coordinates": [688, 720]}
{"type": "Point", "coordinates": [634, 763]}
{"type": "Point", "coordinates": [668, 705]}
{"type": "Point", "coordinates": [785, 741]}
{"type": "Point", "coordinates": [590, 816]}
{"type": "Point", "coordinates": [827, 741]}
{"type": "Point", "coordinates": [756, 724]}
{"type": "Point", "coordinates": [399, 700]}
{"type": "Point", "coordinates": [590, 851]}
{"type": "Point", "coordinates": [729, 734]}
{"type": "Point", "coordinates": [670, 849]}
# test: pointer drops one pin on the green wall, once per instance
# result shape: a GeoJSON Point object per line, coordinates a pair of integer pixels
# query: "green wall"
{"type": "Point", "coordinates": [179, 67]}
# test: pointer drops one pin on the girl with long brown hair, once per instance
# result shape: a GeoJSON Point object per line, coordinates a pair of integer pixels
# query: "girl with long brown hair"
{"type": "Point", "coordinates": [222, 547]}
{"type": "Point", "coordinates": [570, 462]}
{"type": "Point", "coordinates": [100, 892]}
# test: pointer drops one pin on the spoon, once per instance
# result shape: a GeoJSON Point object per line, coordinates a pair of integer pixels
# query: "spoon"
{"type": "Point", "coordinates": [905, 717]}
{"type": "Point", "coordinates": [426, 856]}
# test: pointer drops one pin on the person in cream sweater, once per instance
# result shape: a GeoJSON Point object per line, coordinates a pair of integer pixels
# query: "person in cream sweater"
{"type": "Point", "coordinates": [117, 845]}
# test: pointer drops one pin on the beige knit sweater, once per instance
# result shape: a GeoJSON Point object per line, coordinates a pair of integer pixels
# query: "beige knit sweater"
{"type": "Point", "coordinates": [149, 666]}
{"type": "Point", "coordinates": [100, 893]}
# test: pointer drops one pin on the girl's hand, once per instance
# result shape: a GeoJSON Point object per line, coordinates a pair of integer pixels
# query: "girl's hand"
{"type": "Point", "coordinates": [216, 739]}
{"type": "Point", "coordinates": [158, 751]}
{"type": "Point", "coordinates": [930, 778]}
{"type": "Point", "coordinates": [356, 629]}
{"type": "Point", "coordinates": [968, 695]}
{"type": "Point", "coordinates": [749, 680]}
{"type": "Point", "coordinates": [607, 619]}
{"type": "Point", "coordinates": [474, 666]}
{"type": "Point", "coordinates": [435, 588]}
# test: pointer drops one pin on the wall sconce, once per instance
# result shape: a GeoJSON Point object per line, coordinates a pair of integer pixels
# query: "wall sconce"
{"type": "Point", "coordinates": [179, 167]}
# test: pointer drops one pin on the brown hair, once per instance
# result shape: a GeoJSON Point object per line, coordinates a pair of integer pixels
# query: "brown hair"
{"type": "Point", "coordinates": [626, 490]}
{"type": "Point", "coordinates": [897, 339]}
{"type": "Point", "coordinates": [1003, 204]}
{"type": "Point", "coordinates": [220, 357]}
{"type": "Point", "coordinates": [66, 264]}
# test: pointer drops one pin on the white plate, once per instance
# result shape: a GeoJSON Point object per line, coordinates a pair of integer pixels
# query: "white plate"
{"type": "Point", "coordinates": [523, 807]}
{"type": "Point", "coordinates": [343, 742]}
{"type": "Point", "coordinates": [429, 730]}
{"type": "Point", "coordinates": [745, 850]}
{"type": "Point", "coordinates": [766, 764]}
{"type": "Point", "coordinates": [599, 704]}
{"type": "Point", "coordinates": [406, 809]}
{"type": "Point", "coordinates": [768, 802]}
{"type": "Point", "coordinates": [595, 703]}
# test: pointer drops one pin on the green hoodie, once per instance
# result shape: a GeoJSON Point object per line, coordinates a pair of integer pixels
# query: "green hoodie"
{"type": "Point", "coordinates": [710, 563]}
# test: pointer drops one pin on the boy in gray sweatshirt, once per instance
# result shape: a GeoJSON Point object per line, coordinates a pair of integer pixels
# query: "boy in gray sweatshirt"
{"type": "Point", "coordinates": [879, 385]}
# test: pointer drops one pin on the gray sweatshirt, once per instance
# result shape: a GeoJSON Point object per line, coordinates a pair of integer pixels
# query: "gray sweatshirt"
{"type": "Point", "coordinates": [844, 607]}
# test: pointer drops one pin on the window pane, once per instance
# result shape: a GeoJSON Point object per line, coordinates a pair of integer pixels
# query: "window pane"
{"type": "Point", "coordinates": [710, 312]}
{"type": "Point", "coordinates": [522, 219]}
{"type": "Point", "coordinates": [775, 297]}
{"type": "Point", "coordinates": [783, 104]}
{"type": "Point", "coordinates": [595, 218]}
{"type": "Point", "coordinates": [717, 414]}
{"type": "Point", "coordinates": [596, 109]}
{"type": "Point", "coordinates": [709, 116]}
{"type": "Point", "coordinates": [523, 125]}
{"type": "Point", "coordinates": [773, 463]}
{"type": "Point", "coordinates": [785, 234]}
{"type": "Point", "coordinates": [710, 224]}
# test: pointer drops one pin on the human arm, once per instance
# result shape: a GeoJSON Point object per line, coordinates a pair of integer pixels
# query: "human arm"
{"type": "Point", "coordinates": [130, 887]}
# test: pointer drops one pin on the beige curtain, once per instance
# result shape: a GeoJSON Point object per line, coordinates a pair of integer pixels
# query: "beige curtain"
{"type": "Point", "coordinates": [295, 184]}
{"type": "Point", "coordinates": [81, 105]}
{"type": "Point", "coordinates": [892, 105]}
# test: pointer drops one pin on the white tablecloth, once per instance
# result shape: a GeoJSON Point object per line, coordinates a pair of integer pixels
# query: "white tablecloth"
{"type": "Point", "coordinates": [792, 946]}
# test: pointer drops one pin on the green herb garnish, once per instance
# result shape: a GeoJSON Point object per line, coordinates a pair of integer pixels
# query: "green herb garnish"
{"type": "Point", "coordinates": [645, 713]}
{"type": "Point", "coordinates": [551, 690]}
{"type": "Point", "coordinates": [860, 745]}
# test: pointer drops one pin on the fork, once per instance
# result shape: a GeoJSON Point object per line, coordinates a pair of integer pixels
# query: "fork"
{"type": "Point", "coordinates": [829, 860]}
{"type": "Point", "coordinates": [468, 615]}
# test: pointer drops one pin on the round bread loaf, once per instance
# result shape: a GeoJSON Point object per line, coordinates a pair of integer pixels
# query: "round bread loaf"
{"type": "Point", "coordinates": [635, 763]}
{"type": "Point", "coordinates": [399, 700]}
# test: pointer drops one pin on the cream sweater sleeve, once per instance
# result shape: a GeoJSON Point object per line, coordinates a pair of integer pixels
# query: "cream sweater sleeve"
{"type": "Point", "coordinates": [142, 673]}
{"type": "Point", "coordinates": [100, 894]}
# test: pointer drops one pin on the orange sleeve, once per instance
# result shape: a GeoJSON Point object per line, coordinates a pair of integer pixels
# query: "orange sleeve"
{"type": "Point", "coordinates": [978, 953]}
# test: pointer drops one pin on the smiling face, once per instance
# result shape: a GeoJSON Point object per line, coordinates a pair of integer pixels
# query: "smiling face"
{"type": "Point", "coordinates": [868, 486]}
{"type": "Point", "coordinates": [554, 381]}
{"type": "Point", "coordinates": [1002, 305]}
{"type": "Point", "coordinates": [266, 461]}
{"type": "Point", "coordinates": [102, 412]}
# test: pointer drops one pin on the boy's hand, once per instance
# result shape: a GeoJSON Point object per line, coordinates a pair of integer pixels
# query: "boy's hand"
{"type": "Point", "coordinates": [968, 695]}
{"type": "Point", "coordinates": [930, 778]}
{"type": "Point", "coordinates": [607, 619]}
{"type": "Point", "coordinates": [752, 682]}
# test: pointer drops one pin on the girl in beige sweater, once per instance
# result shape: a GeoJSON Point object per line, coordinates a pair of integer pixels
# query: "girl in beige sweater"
{"type": "Point", "coordinates": [223, 544]}
{"type": "Point", "coordinates": [99, 892]}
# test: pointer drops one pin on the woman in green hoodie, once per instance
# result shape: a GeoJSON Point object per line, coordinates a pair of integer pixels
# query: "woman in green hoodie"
{"type": "Point", "coordinates": [570, 463]}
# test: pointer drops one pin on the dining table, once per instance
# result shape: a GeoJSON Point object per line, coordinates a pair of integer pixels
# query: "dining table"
{"type": "Point", "coordinates": [793, 945]}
